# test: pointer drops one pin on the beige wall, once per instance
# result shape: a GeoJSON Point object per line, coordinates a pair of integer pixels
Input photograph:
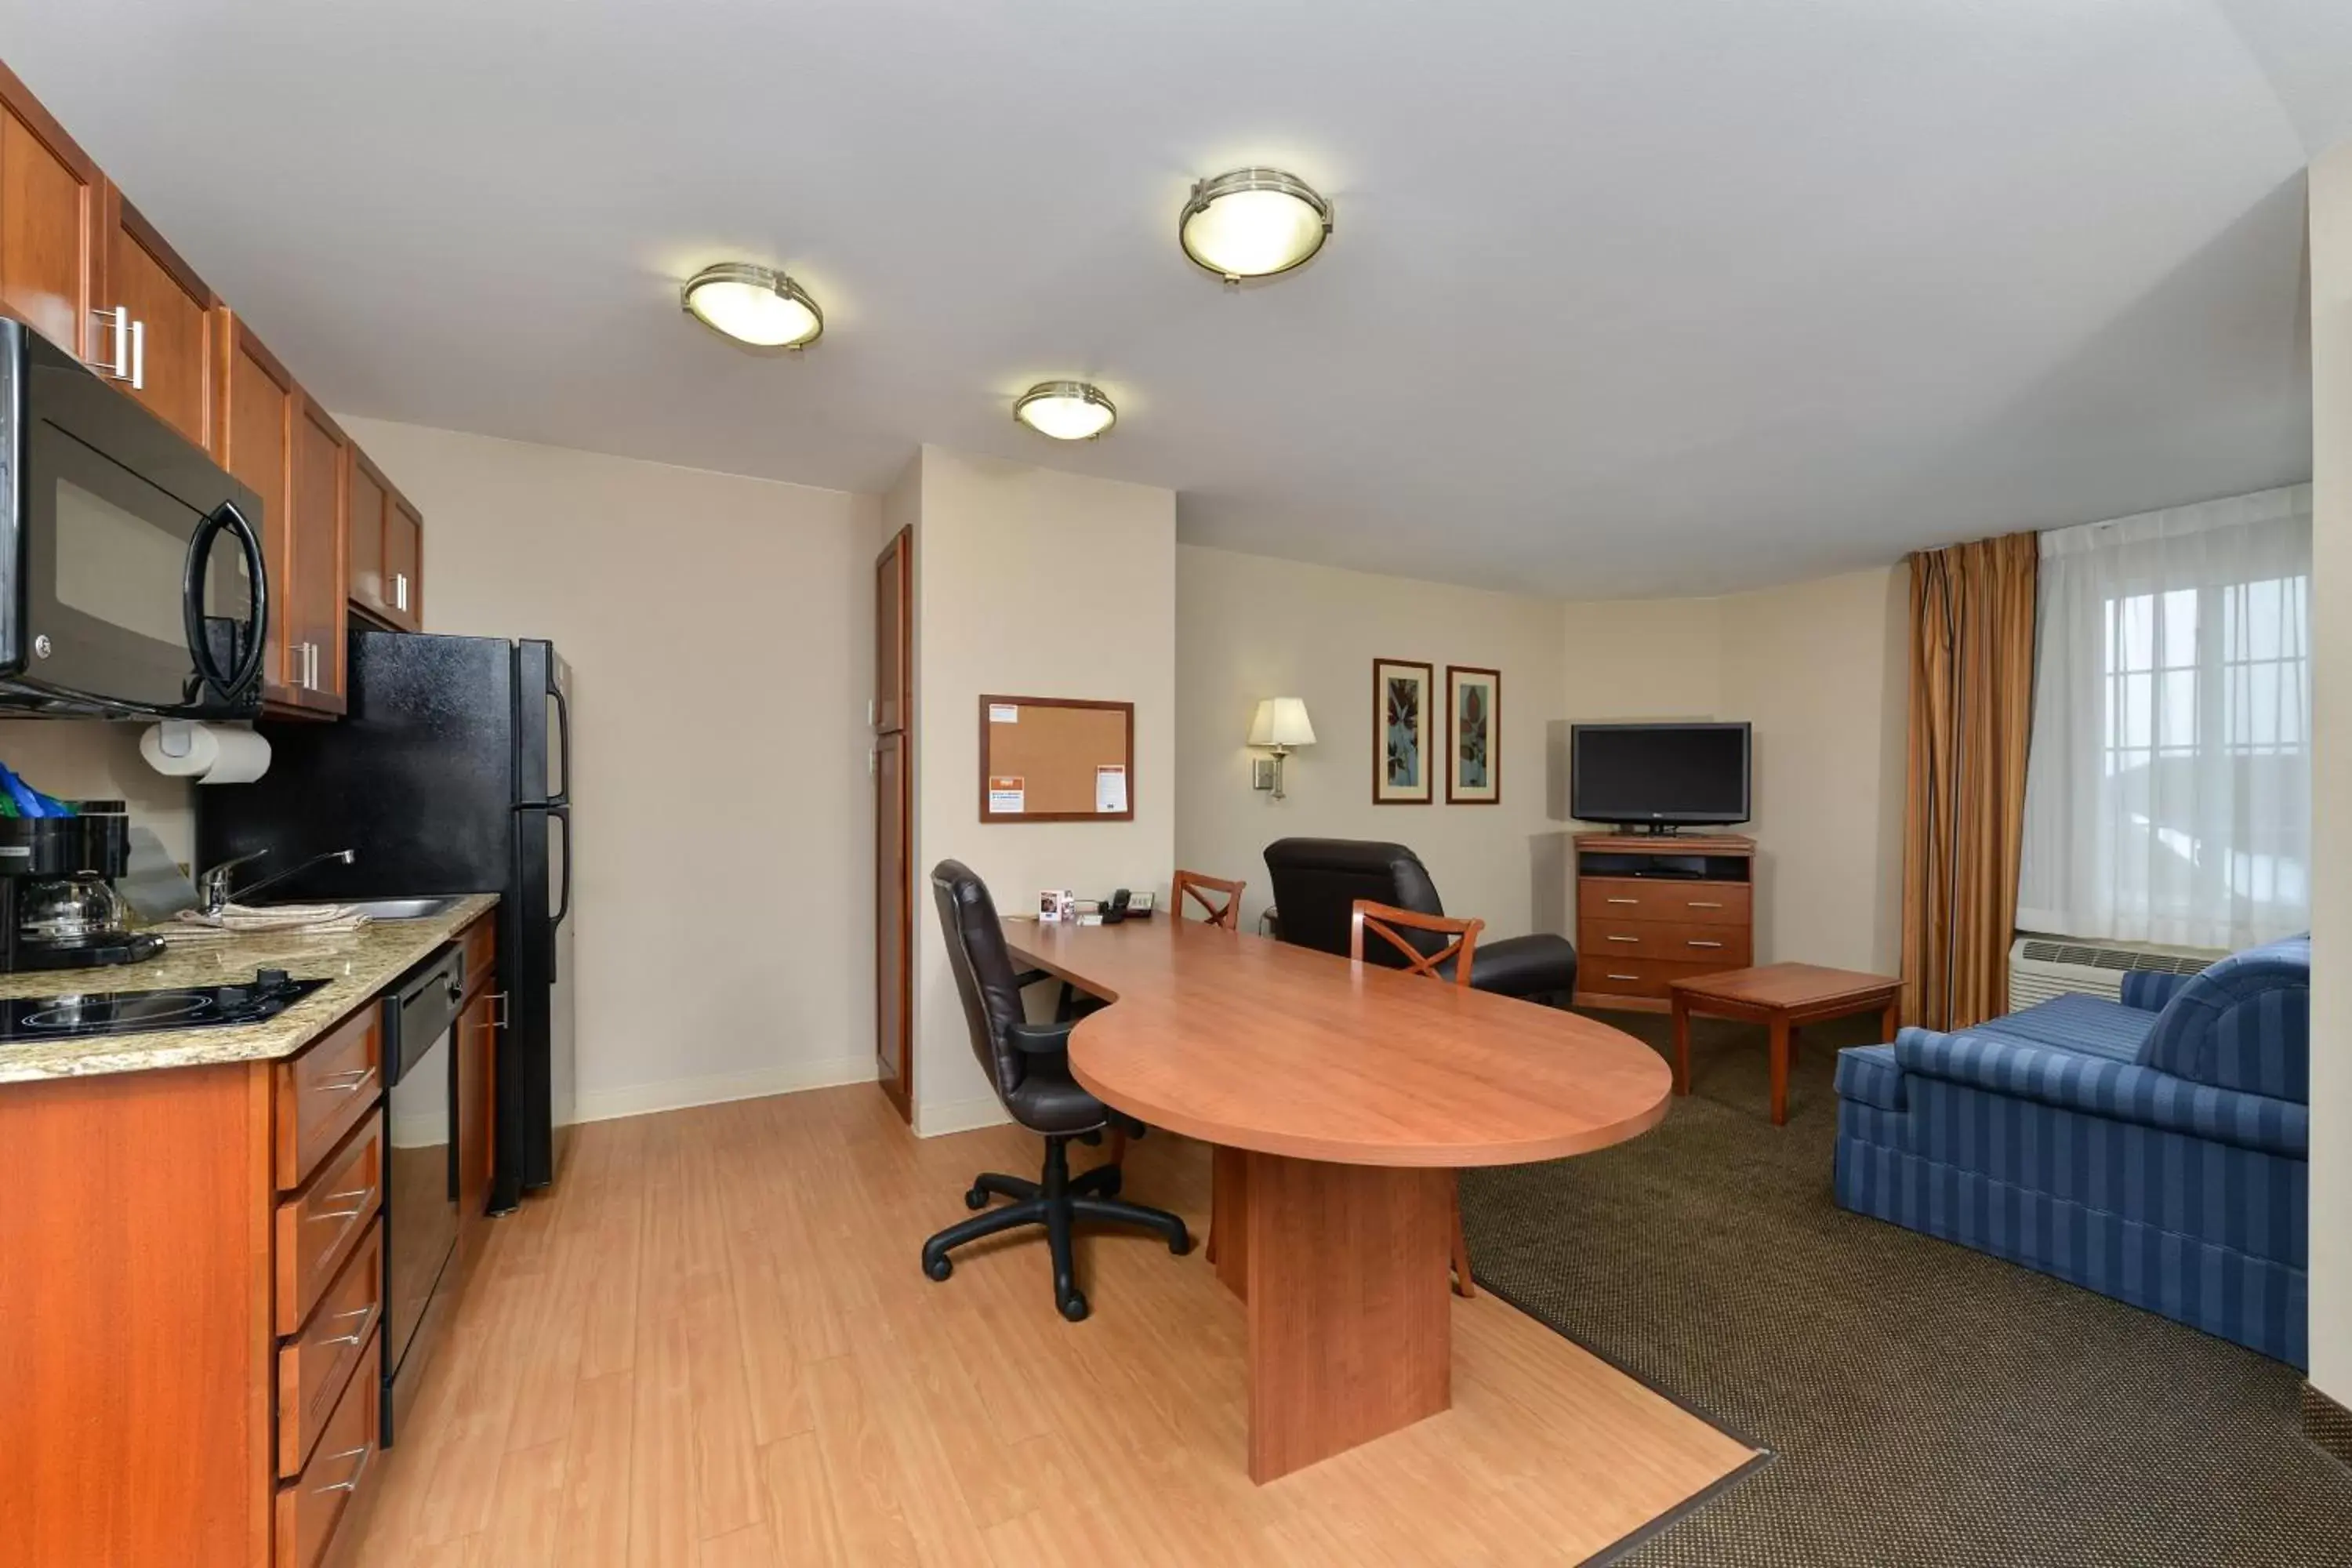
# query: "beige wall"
{"type": "Point", "coordinates": [2331, 782]}
{"type": "Point", "coordinates": [720, 634]}
{"type": "Point", "coordinates": [1249, 627]}
{"type": "Point", "coordinates": [1029, 583]}
{"type": "Point", "coordinates": [98, 758]}
{"type": "Point", "coordinates": [1819, 670]}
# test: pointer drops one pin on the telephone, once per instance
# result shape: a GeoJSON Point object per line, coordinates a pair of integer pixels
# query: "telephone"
{"type": "Point", "coordinates": [1115, 911]}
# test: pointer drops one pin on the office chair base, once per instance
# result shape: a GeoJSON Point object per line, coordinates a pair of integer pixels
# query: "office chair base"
{"type": "Point", "coordinates": [1056, 1201]}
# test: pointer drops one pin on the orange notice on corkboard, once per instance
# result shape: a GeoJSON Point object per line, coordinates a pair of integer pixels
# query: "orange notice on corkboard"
{"type": "Point", "coordinates": [1057, 759]}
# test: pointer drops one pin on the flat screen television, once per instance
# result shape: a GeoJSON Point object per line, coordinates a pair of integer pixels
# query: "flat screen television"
{"type": "Point", "coordinates": [1661, 776]}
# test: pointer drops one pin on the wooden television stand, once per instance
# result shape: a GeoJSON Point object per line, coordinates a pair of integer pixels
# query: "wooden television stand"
{"type": "Point", "coordinates": [1655, 908]}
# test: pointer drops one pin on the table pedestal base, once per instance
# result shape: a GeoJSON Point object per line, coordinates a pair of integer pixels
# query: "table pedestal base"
{"type": "Point", "coordinates": [1344, 1270]}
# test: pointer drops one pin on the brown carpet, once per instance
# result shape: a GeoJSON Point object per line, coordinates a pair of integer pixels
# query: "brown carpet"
{"type": "Point", "coordinates": [1926, 1406]}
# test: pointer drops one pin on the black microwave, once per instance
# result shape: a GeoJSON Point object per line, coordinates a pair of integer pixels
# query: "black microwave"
{"type": "Point", "coordinates": [131, 575]}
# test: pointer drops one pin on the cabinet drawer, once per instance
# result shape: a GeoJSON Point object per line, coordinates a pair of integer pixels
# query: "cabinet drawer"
{"type": "Point", "coordinates": [313, 1366]}
{"type": "Point", "coordinates": [481, 939]}
{"type": "Point", "coordinates": [1643, 899]}
{"type": "Point", "coordinates": [1721, 947]}
{"type": "Point", "coordinates": [311, 1504]}
{"type": "Point", "coordinates": [1608, 974]}
{"type": "Point", "coordinates": [323, 1225]}
{"type": "Point", "coordinates": [323, 1092]}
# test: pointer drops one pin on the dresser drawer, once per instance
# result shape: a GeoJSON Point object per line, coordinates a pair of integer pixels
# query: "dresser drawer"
{"type": "Point", "coordinates": [1602, 941]}
{"type": "Point", "coordinates": [320, 1227]}
{"type": "Point", "coordinates": [311, 1504]}
{"type": "Point", "coordinates": [1648, 898]}
{"type": "Point", "coordinates": [314, 1365]}
{"type": "Point", "coordinates": [323, 1092]}
{"type": "Point", "coordinates": [481, 939]}
{"type": "Point", "coordinates": [1607, 975]}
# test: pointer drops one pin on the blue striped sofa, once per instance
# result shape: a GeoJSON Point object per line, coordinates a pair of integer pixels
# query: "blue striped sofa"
{"type": "Point", "coordinates": [2153, 1150]}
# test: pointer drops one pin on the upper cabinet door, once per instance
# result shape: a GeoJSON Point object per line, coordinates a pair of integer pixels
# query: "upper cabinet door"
{"type": "Point", "coordinates": [314, 607]}
{"type": "Point", "coordinates": [52, 199]}
{"type": "Point", "coordinates": [371, 499]}
{"type": "Point", "coordinates": [258, 405]}
{"type": "Point", "coordinates": [404, 564]}
{"type": "Point", "coordinates": [157, 319]}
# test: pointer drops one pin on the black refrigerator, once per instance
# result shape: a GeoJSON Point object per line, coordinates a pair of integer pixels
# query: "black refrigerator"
{"type": "Point", "coordinates": [449, 772]}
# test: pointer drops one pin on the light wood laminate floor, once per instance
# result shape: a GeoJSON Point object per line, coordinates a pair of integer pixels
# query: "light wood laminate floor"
{"type": "Point", "coordinates": [712, 1345]}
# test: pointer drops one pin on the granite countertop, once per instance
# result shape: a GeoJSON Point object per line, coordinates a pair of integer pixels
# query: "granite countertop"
{"type": "Point", "coordinates": [356, 965]}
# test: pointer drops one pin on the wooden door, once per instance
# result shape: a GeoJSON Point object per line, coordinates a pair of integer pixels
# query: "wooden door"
{"type": "Point", "coordinates": [52, 202]}
{"type": "Point", "coordinates": [893, 588]}
{"type": "Point", "coordinates": [370, 497]}
{"type": "Point", "coordinates": [314, 599]}
{"type": "Point", "coordinates": [404, 564]}
{"type": "Point", "coordinates": [259, 400]}
{"type": "Point", "coordinates": [171, 319]}
{"type": "Point", "coordinates": [893, 924]}
{"type": "Point", "coordinates": [478, 1035]}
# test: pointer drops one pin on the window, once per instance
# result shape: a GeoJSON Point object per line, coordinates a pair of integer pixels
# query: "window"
{"type": "Point", "coordinates": [2168, 795]}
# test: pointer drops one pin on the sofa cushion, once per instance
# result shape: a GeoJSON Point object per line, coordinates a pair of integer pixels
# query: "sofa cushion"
{"type": "Point", "coordinates": [2075, 1022]}
{"type": "Point", "coordinates": [1871, 1075]}
{"type": "Point", "coordinates": [2149, 989]}
{"type": "Point", "coordinates": [2078, 1080]}
{"type": "Point", "coordinates": [2244, 1023]}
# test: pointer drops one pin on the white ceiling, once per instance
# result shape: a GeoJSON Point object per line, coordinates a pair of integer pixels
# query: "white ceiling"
{"type": "Point", "coordinates": [1625, 296]}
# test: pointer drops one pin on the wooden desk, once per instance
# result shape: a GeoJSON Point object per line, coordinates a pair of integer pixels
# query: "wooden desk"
{"type": "Point", "coordinates": [1340, 1098]}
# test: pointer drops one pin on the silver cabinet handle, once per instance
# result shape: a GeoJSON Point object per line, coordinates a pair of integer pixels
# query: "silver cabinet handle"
{"type": "Point", "coordinates": [400, 590]}
{"type": "Point", "coordinates": [1704, 945]}
{"type": "Point", "coordinates": [360, 1194]}
{"type": "Point", "coordinates": [138, 356]}
{"type": "Point", "coordinates": [118, 321]}
{"type": "Point", "coordinates": [1624, 939]}
{"type": "Point", "coordinates": [503, 1013]}
{"type": "Point", "coordinates": [1624, 900]}
{"type": "Point", "coordinates": [342, 1082]}
{"type": "Point", "coordinates": [1704, 904]}
{"type": "Point", "coordinates": [367, 1316]}
{"type": "Point", "coordinates": [1633, 977]}
{"type": "Point", "coordinates": [365, 1453]}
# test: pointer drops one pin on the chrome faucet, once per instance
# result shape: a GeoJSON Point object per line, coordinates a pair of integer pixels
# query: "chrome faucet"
{"type": "Point", "coordinates": [213, 890]}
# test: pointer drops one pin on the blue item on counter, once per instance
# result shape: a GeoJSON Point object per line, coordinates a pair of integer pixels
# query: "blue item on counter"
{"type": "Point", "coordinates": [28, 801]}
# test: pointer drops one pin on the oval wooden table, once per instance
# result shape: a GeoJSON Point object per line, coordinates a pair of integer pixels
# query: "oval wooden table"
{"type": "Point", "coordinates": [1340, 1098]}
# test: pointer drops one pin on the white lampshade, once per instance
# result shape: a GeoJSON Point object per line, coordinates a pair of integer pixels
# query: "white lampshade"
{"type": "Point", "coordinates": [1281, 721]}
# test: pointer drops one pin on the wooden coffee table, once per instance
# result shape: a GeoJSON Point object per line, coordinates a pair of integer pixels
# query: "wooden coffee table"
{"type": "Point", "coordinates": [1782, 997]}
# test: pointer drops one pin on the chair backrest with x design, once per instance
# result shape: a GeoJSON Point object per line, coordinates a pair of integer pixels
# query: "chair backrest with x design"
{"type": "Point", "coordinates": [1205, 892]}
{"type": "Point", "coordinates": [1425, 957]}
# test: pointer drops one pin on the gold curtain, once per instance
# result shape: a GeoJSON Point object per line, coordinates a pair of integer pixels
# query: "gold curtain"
{"type": "Point", "coordinates": [1964, 814]}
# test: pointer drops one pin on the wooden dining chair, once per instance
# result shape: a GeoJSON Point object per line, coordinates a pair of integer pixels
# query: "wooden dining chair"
{"type": "Point", "coordinates": [1206, 890]}
{"type": "Point", "coordinates": [1386, 921]}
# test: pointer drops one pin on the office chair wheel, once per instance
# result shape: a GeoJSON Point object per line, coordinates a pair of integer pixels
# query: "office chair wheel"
{"type": "Point", "coordinates": [1073, 1306]}
{"type": "Point", "coordinates": [1112, 1183]}
{"type": "Point", "coordinates": [1182, 1245]}
{"type": "Point", "coordinates": [975, 1199]}
{"type": "Point", "coordinates": [939, 1268]}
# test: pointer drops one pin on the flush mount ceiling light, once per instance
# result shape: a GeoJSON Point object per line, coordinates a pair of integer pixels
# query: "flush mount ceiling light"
{"type": "Point", "coordinates": [755, 305]}
{"type": "Point", "coordinates": [1253, 223]}
{"type": "Point", "coordinates": [1066, 410]}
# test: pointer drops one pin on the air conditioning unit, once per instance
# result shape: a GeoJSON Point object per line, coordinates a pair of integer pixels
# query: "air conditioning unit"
{"type": "Point", "coordinates": [2041, 967]}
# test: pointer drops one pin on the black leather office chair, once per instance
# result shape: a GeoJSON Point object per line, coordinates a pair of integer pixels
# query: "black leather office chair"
{"type": "Point", "coordinates": [1029, 1066]}
{"type": "Point", "coordinates": [1316, 882]}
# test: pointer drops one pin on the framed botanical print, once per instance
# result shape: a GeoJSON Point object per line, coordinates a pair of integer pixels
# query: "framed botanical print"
{"type": "Point", "coordinates": [1402, 759]}
{"type": "Point", "coordinates": [1474, 736]}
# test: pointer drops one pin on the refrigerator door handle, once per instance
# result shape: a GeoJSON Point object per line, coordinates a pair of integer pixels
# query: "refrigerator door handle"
{"type": "Point", "coordinates": [564, 904]}
{"type": "Point", "coordinates": [562, 741]}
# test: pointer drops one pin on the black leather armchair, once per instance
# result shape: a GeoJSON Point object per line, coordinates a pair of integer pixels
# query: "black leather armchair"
{"type": "Point", "coordinates": [1316, 882]}
{"type": "Point", "coordinates": [1028, 1064]}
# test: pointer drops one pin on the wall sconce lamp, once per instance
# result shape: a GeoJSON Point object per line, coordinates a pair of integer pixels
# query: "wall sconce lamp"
{"type": "Point", "coordinates": [1280, 724]}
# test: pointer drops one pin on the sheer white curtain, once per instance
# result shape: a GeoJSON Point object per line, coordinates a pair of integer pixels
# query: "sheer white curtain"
{"type": "Point", "coordinates": [2169, 787]}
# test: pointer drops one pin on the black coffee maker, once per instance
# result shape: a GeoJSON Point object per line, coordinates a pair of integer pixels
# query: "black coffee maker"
{"type": "Point", "coordinates": [58, 908]}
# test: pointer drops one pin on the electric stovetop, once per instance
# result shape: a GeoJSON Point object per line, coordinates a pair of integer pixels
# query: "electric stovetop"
{"type": "Point", "coordinates": [269, 993]}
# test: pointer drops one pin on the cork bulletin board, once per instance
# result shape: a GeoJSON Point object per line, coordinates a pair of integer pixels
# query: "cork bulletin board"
{"type": "Point", "coordinates": [1057, 759]}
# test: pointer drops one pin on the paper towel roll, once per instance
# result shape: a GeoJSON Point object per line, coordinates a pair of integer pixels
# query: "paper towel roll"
{"type": "Point", "coordinates": [199, 752]}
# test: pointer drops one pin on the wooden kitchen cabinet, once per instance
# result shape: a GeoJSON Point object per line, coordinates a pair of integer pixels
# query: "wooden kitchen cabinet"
{"type": "Point", "coordinates": [52, 202]}
{"type": "Point", "coordinates": [171, 319]}
{"type": "Point", "coordinates": [260, 403]}
{"type": "Point", "coordinates": [321, 535]}
{"type": "Point", "coordinates": [478, 1029]}
{"type": "Point", "coordinates": [387, 550]}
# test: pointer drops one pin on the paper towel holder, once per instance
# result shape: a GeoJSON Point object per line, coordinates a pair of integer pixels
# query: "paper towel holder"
{"type": "Point", "coordinates": [175, 737]}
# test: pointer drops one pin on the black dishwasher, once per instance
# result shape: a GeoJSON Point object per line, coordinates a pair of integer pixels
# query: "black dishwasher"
{"type": "Point", "coordinates": [421, 1113]}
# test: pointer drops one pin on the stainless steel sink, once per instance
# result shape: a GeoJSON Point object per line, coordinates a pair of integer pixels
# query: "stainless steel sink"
{"type": "Point", "coordinates": [401, 909]}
